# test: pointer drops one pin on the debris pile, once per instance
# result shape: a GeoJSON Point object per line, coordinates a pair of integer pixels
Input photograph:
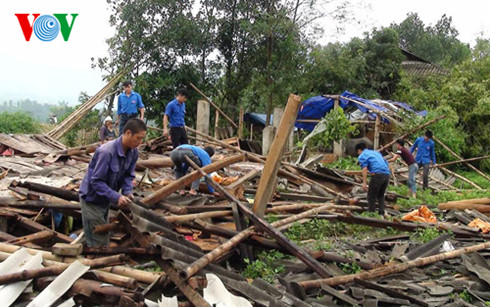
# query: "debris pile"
{"type": "Point", "coordinates": [178, 250]}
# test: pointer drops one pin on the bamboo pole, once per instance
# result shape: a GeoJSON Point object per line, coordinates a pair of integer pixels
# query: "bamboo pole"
{"type": "Point", "coordinates": [460, 158]}
{"type": "Point", "coordinates": [261, 159]}
{"type": "Point", "coordinates": [58, 269]}
{"type": "Point", "coordinates": [35, 237]}
{"type": "Point", "coordinates": [214, 105]}
{"type": "Point", "coordinates": [392, 269]}
{"type": "Point", "coordinates": [412, 132]}
{"type": "Point", "coordinates": [465, 161]}
{"type": "Point", "coordinates": [79, 113]}
{"type": "Point", "coordinates": [460, 177]}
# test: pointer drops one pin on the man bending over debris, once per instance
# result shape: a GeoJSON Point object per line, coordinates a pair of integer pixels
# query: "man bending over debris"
{"type": "Point", "coordinates": [111, 170]}
{"type": "Point", "coordinates": [413, 167]}
{"type": "Point", "coordinates": [373, 162]}
{"type": "Point", "coordinates": [201, 157]}
{"type": "Point", "coordinates": [425, 154]}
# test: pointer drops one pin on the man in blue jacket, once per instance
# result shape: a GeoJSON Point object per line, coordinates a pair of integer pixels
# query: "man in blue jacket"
{"type": "Point", "coordinates": [373, 162]}
{"type": "Point", "coordinates": [129, 104]}
{"type": "Point", "coordinates": [109, 179]}
{"type": "Point", "coordinates": [425, 155]}
{"type": "Point", "coordinates": [175, 115]}
{"type": "Point", "coordinates": [201, 157]}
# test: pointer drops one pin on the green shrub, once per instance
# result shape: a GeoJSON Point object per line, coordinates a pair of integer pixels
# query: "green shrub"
{"type": "Point", "coordinates": [18, 122]}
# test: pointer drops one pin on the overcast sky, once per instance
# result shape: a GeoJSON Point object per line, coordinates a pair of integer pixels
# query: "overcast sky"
{"type": "Point", "coordinates": [58, 70]}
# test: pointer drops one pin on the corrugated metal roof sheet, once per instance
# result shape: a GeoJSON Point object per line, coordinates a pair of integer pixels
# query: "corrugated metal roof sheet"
{"type": "Point", "coordinates": [418, 68]}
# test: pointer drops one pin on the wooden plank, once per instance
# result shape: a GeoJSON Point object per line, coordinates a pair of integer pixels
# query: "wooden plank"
{"type": "Point", "coordinates": [266, 185]}
{"type": "Point", "coordinates": [63, 249]}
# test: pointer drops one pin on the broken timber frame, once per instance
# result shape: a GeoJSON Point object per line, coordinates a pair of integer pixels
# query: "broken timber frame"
{"type": "Point", "coordinates": [266, 227]}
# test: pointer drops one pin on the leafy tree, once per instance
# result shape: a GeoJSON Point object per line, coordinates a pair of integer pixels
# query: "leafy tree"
{"type": "Point", "coordinates": [383, 59]}
{"type": "Point", "coordinates": [437, 44]}
{"type": "Point", "coordinates": [18, 122]}
{"type": "Point", "coordinates": [463, 95]}
{"type": "Point", "coordinates": [369, 67]}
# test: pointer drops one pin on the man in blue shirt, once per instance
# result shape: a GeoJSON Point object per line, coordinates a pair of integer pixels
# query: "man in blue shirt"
{"type": "Point", "coordinates": [201, 157]}
{"type": "Point", "coordinates": [129, 103]}
{"type": "Point", "coordinates": [175, 114]}
{"type": "Point", "coordinates": [373, 162]}
{"type": "Point", "coordinates": [425, 155]}
{"type": "Point", "coordinates": [111, 170]}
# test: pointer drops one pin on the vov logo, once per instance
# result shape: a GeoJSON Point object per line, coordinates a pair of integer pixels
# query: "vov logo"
{"type": "Point", "coordinates": [46, 27]}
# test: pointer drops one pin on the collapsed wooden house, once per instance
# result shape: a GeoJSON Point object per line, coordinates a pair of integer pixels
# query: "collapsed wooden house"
{"type": "Point", "coordinates": [168, 250]}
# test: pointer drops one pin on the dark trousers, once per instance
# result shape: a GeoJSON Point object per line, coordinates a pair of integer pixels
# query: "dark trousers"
{"type": "Point", "coordinates": [178, 158]}
{"type": "Point", "coordinates": [376, 191]}
{"type": "Point", "coordinates": [124, 119]}
{"type": "Point", "coordinates": [425, 175]}
{"type": "Point", "coordinates": [178, 135]}
{"type": "Point", "coordinates": [94, 215]}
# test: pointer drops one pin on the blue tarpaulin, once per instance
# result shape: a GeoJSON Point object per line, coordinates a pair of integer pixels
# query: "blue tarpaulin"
{"type": "Point", "coordinates": [316, 108]}
{"type": "Point", "coordinates": [256, 118]}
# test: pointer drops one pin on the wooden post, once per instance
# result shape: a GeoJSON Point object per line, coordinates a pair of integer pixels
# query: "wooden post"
{"type": "Point", "coordinates": [267, 138]}
{"type": "Point", "coordinates": [214, 105]}
{"type": "Point", "coordinates": [202, 123]}
{"type": "Point", "coordinates": [338, 147]}
{"type": "Point", "coordinates": [460, 158]}
{"type": "Point", "coordinates": [216, 124]}
{"type": "Point", "coordinates": [155, 197]}
{"type": "Point", "coordinates": [271, 167]}
{"type": "Point", "coordinates": [251, 131]}
{"type": "Point", "coordinates": [376, 132]}
{"type": "Point", "coordinates": [240, 123]}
